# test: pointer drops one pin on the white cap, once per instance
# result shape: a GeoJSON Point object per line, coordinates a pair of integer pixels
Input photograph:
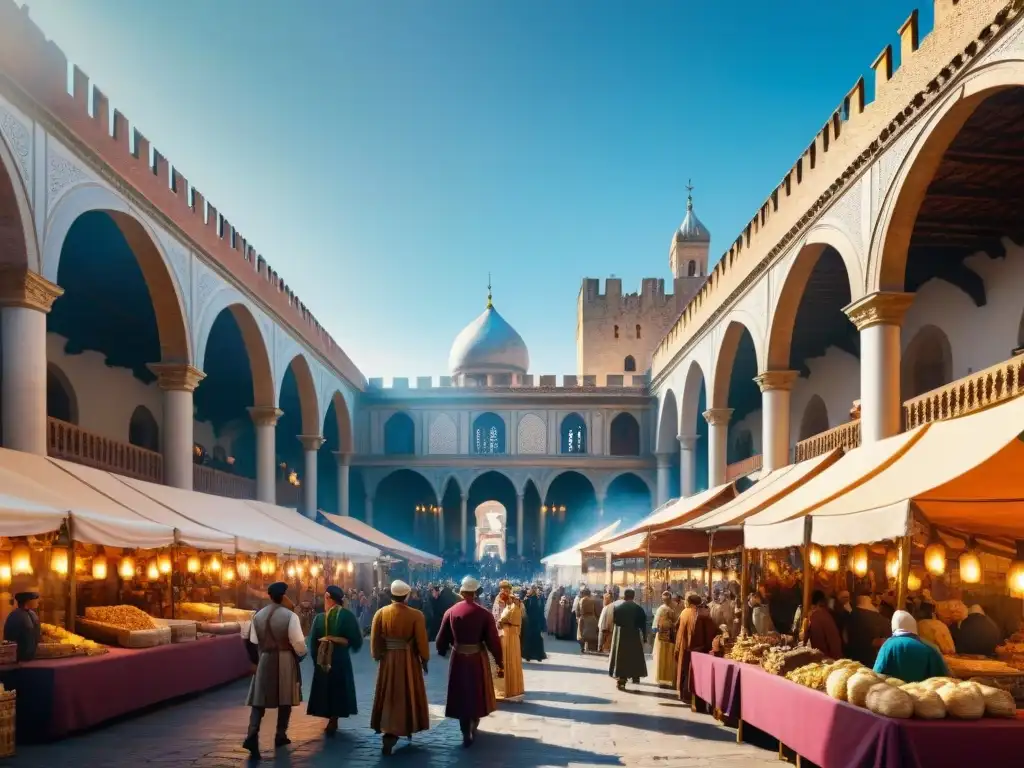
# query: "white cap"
{"type": "Point", "coordinates": [400, 588]}
{"type": "Point", "coordinates": [469, 584]}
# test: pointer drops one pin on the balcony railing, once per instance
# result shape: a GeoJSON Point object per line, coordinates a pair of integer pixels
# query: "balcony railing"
{"type": "Point", "coordinates": [845, 436]}
{"type": "Point", "coordinates": [971, 393]}
{"type": "Point", "coordinates": [71, 442]}
{"type": "Point", "coordinates": [218, 483]}
{"type": "Point", "coordinates": [743, 468]}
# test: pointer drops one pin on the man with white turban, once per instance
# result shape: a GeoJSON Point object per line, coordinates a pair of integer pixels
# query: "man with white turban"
{"type": "Point", "coordinates": [906, 656]}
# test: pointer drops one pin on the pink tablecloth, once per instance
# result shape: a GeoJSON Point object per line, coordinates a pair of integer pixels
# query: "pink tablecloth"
{"type": "Point", "coordinates": [716, 681]}
{"type": "Point", "coordinates": [61, 696]}
{"type": "Point", "coordinates": [834, 734]}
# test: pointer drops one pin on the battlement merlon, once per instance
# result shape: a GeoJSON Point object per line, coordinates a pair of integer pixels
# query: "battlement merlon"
{"type": "Point", "coordinates": [40, 70]}
{"type": "Point", "coordinates": [855, 134]}
{"type": "Point", "coordinates": [652, 291]}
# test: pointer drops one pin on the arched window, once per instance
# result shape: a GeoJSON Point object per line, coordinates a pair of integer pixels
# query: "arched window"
{"type": "Point", "coordinates": [691, 269]}
{"type": "Point", "coordinates": [927, 362]}
{"type": "Point", "coordinates": [616, 331]}
{"type": "Point", "coordinates": [399, 435]}
{"type": "Point", "coordinates": [574, 434]}
{"type": "Point", "coordinates": [629, 364]}
{"type": "Point", "coordinates": [489, 434]}
{"type": "Point", "coordinates": [815, 418]}
{"type": "Point", "coordinates": [625, 435]}
{"type": "Point", "coordinates": [61, 402]}
{"type": "Point", "coordinates": [638, 330]}
{"type": "Point", "coordinates": [143, 430]}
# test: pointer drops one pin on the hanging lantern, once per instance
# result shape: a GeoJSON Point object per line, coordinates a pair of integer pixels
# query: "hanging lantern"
{"type": "Point", "coordinates": [350, 566]}
{"type": "Point", "coordinates": [213, 564]}
{"type": "Point", "coordinates": [153, 569]}
{"type": "Point", "coordinates": [935, 558]}
{"type": "Point", "coordinates": [193, 564]}
{"type": "Point", "coordinates": [5, 569]}
{"type": "Point", "coordinates": [813, 556]}
{"type": "Point", "coordinates": [126, 570]}
{"type": "Point", "coordinates": [242, 566]}
{"type": "Point", "coordinates": [99, 567]}
{"type": "Point", "coordinates": [289, 570]}
{"type": "Point", "coordinates": [314, 570]}
{"type": "Point", "coordinates": [300, 569]}
{"type": "Point", "coordinates": [830, 560]}
{"type": "Point", "coordinates": [164, 564]}
{"type": "Point", "coordinates": [892, 564]}
{"type": "Point", "coordinates": [970, 567]}
{"type": "Point", "coordinates": [913, 582]}
{"type": "Point", "coordinates": [21, 560]}
{"type": "Point", "coordinates": [229, 574]}
{"type": "Point", "coordinates": [859, 561]}
{"type": "Point", "coordinates": [1015, 578]}
{"type": "Point", "coordinates": [59, 559]}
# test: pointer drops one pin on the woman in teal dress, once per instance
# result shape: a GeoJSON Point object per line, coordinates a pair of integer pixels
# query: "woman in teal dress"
{"type": "Point", "coordinates": [334, 635]}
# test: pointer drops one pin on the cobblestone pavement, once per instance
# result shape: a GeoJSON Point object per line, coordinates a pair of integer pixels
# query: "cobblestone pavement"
{"type": "Point", "coordinates": [572, 716]}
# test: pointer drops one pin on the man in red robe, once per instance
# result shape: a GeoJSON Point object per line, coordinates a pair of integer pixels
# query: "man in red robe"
{"type": "Point", "coordinates": [469, 630]}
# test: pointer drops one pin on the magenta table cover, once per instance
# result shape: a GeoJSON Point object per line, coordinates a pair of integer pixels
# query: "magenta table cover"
{"type": "Point", "coordinates": [716, 681]}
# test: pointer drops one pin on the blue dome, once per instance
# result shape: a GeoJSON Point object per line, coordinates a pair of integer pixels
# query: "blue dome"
{"type": "Point", "coordinates": [489, 345]}
{"type": "Point", "coordinates": [692, 230]}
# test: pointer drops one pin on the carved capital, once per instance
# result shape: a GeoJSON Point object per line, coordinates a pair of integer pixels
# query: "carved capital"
{"type": "Point", "coordinates": [718, 417]}
{"type": "Point", "coordinates": [776, 380]}
{"type": "Point", "coordinates": [311, 442]}
{"type": "Point", "coordinates": [177, 377]}
{"type": "Point", "coordinates": [688, 442]}
{"type": "Point", "coordinates": [265, 415]}
{"type": "Point", "coordinates": [343, 459]}
{"type": "Point", "coordinates": [879, 309]}
{"type": "Point", "coordinates": [21, 288]}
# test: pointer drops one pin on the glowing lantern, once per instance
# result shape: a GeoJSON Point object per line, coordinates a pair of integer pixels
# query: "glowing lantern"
{"type": "Point", "coordinates": [1015, 578]}
{"type": "Point", "coordinates": [814, 556]}
{"type": "Point", "coordinates": [773, 568]}
{"type": "Point", "coordinates": [716, 576]}
{"type": "Point", "coordinates": [21, 560]}
{"type": "Point", "coordinates": [193, 565]}
{"type": "Point", "coordinates": [830, 561]}
{"type": "Point", "coordinates": [59, 560]}
{"type": "Point", "coordinates": [913, 582]}
{"type": "Point", "coordinates": [5, 569]}
{"type": "Point", "coordinates": [153, 570]}
{"type": "Point", "coordinates": [99, 567]}
{"type": "Point", "coordinates": [300, 569]}
{"type": "Point", "coordinates": [351, 566]}
{"type": "Point", "coordinates": [970, 567]}
{"type": "Point", "coordinates": [892, 564]}
{"type": "Point", "coordinates": [164, 564]}
{"type": "Point", "coordinates": [213, 564]}
{"type": "Point", "coordinates": [732, 575]}
{"type": "Point", "coordinates": [229, 574]}
{"type": "Point", "coordinates": [314, 570]}
{"type": "Point", "coordinates": [127, 568]}
{"type": "Point", "coordinates": [935, 558]}
{"type": "Point", "coordinates": [242, 565]}
{"type": "Point", "coordinates": [289, 570]}
{"type": "Point", "coordinates": [859, 561]}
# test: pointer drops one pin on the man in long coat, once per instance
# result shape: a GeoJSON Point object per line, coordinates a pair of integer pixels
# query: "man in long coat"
{"type": "Point", "coordinates": [470, 631]}
{"type": "Point", "coordinates": [687, 625]}
{"type": "Point", "coordinates": [627, 660]}
{"type": "Point", "coordinates": [277, 634]}
{"type": "Point", "coordinates": [398, 641]}
{"type": "Point", "coordinates": [334, 635]}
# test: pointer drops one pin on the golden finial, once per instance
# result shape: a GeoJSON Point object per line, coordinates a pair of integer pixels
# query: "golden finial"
{"type": "Point", "coordinates": [489, 304]}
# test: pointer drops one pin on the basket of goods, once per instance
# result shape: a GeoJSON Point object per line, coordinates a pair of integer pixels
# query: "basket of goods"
{"type": "Point", "coordinates": [8, 700]}
{"type": "Point", "coordinates": [182, 630]}
{"type": "Point", "coordinates": [58, 643]}
{"type": "Point", "coordinates": [978, 666]}
{"type": "Point", "coordinates": [123, 625]}
{"type": "Point", "coordinates": [8, 653]}
{"type": "Point", "coordinates": [783, 660]}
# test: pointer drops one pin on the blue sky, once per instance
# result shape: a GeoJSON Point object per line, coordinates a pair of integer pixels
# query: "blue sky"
{"type": "Point", "coordinates": [386, 155]}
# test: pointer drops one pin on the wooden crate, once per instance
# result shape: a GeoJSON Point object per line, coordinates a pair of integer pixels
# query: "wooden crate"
{"type": "Point", "coordinates": [182, 630]}
{"type": "Point", "coordinates": [108, 634]}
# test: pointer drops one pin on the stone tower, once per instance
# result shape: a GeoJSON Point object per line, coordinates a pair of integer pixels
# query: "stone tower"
{"type": "Point", "coordinates": [616, 333]}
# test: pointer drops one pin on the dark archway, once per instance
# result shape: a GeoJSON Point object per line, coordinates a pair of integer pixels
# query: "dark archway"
{"type": "Point", "coordinates": [489, 434]}
{"type": "Point", "coordinates": [571, 511]}
{"type": "Point", "coordinates": [815, 419]}
{"type": "Point", "coordinates": [628, 499]}
{"type": "Point", "coordinates": [573, 433]}
{"type": "Point", "coordinates": [143, 430]}
{"type": "Point", "coordinates": [629, 364]}
{"type": "Point", "coordinates": [492, 486]}
{"type": "Point", "coordinates": [394, 507]}
{"type": "Point", "coordinates": [399, 435]}
{"type": "Point", "coordinates": [451, 506]}
{"type": "Point", "coordinates": [61, 400]}
{"type": "Point", "coordinates": [624, 435]}
{"type": "Point", "coordinates": [531, 521]}
{"type": "Point", "coordinates": [927, 362]}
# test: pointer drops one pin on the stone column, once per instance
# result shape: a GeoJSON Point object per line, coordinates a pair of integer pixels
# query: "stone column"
{"type": "Point", "coordinates": [519, 524]}
{"type": "Point", "coordinates": [878, 318]}
{"type": "Point", "coordinates": [776, 387]}
{"type": "Point", "coordinates": [664, 477]}
{"type": "Point", "coordinates": [543, 526]}
{"type": "Point", "coordinates": [25, 300]}
{"type": "Point", "coordinates": [440, 528]}
{"type": "Point", "coordinates": [688, 465]}
{"type": "Point", "coordinates": [369, 511]}
{"type": "Point", "coordinates": [718, 443]}
{"type": "Point", "coordinates": [464, 524]}
{"type": "Point", "coordinates": [265, 418]}
{"type": "Point", "coordinates": [608, 569]}
{"type": "Point", "coordinates": [178, 381]}
{"type": "Point", "coordinates": [344, 460]}
{"type": "Point", "coordinates": [601, 498]}
{"type": "Point", "coordinates": [310, 450]}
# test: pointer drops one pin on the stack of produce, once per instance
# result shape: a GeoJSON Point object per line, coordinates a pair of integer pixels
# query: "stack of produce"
{"type": "Point", "coordinates": [123, 625]}
{"type": "Point", "coordinates": [121, 616]}
{"type": "Point", "coordinates": [52, 634]}
{"type": "Point", "coordinates": [750, 649]}
{"type": "Point", "coordinates": [782, 660]}
{"type": "Point", "coordinates": [208, 612]}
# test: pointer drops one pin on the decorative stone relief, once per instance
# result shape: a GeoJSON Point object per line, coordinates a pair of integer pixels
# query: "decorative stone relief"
{"type": "Point", "coordinates": [846, 215]}
{"type": "Point", "coordinates": [444, 435]}
{"type": "Point", "coordinates": [19, 139]}
{"type": "Point", "coordinates": [180, 259]}
{"type": "Point", "coordinates": [891, 160]}
{"type": "Point", "coordinates": [61, 174]}
{"type": "Point", "coordinates": [533, 437]}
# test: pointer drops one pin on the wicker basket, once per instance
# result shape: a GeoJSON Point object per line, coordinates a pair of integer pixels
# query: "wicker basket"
{"type": "Point", "coordinates": [7, 702]}
{"type": "Point", "coordinates": [8, 653]}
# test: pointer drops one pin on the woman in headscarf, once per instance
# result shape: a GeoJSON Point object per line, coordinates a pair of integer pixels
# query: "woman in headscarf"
{"type": "Point", "coordinates": [906, 656]}
{"type": "Point", "coordinates": [333, 636]}
{"type": "Point", "coordinates": [533, 635]}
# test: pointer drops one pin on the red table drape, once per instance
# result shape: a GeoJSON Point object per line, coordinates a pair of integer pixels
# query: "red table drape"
{"type": "Point", "coordinates": [716, 681]}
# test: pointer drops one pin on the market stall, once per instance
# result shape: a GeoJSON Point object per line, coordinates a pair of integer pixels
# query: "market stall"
{"type": "Point", "coordinates": [566, 567]}
{"type": "Point", "coordinates": [370, 535]}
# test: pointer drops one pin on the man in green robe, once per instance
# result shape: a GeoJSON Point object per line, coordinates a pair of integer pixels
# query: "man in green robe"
{"type": "Point", "coordinates": [334, 635]}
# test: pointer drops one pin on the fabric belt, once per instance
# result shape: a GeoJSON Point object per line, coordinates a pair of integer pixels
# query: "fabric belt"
{"type": "Point", "coordinates": [396, 645]}
{"type": "Point", "coordinates": [468, 649]}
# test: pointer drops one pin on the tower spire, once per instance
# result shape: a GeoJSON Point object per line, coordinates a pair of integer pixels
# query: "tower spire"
{"type": "Point", "coordinates": [489, 304]}
{"type": "Point", "coordinates": [689, 194]}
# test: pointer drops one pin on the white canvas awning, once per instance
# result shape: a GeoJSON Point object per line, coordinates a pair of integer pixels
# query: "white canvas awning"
{"type": "Point", "coordinates": [338, 544]}
{"type": "Point", "coordinates": [781, 525]}
{"type": "Point", "coordinates": [573, 556]}
{"type": "Point", "coordinates": [370, 534]}
{"type": "Point", "coordinates": [19, 517]}
{"type": "Point", "coordinates": [966, 474]}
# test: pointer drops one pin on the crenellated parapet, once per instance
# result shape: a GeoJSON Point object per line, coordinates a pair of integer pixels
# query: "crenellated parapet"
{"type": "Point", "coordinates": [634, 384]}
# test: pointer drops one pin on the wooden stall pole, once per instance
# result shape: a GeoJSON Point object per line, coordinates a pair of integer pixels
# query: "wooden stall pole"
{"type": "Point", "coordinates": [805, 612]}
{"type": "Point", "coordinates": [905, 544]}
{"type": "Point", "coordinates": [711, 552]}
{"type": "Point", "coordinates": [72, 604]}
{"type": "Point", "coordinates": [744, 588]}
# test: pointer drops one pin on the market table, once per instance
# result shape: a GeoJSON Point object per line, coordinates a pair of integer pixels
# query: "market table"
{"type": "Point", "coordinates": [57, 697]}
{"type": "Point", "coordinates": [834, 734]}
{"type": "Point", "coordinates": [716, 681]}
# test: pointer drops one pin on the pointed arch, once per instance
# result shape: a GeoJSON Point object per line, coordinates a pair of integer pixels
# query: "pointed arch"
{"type": "Point", "coordinates": [690, 410]}
{"type": "Point", "coordinates": [725, 359]}
{"type": "Point", "coordinates": [346, 438]}
{"type": "Point", "coordinates": [488, 434]}
{"type": "Point", "coordinates": [668, 424]}
{"type": "Point", "coordinates": [573, 434]}
{"type": "Point", "coordinates": [19, 248]}
{"type": "Point", "coordinates": [399, 435]}
{"type": "Point", "coordinates": [815, 418]}
{"type": "Point", "coordinates": [926, 363]}
{"type": "Point", "coordinates": [255, 349]}
{"type": "Point", "coordinates": [311, 422]}
{"type": "Point", "coordinates": [624, 435]}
